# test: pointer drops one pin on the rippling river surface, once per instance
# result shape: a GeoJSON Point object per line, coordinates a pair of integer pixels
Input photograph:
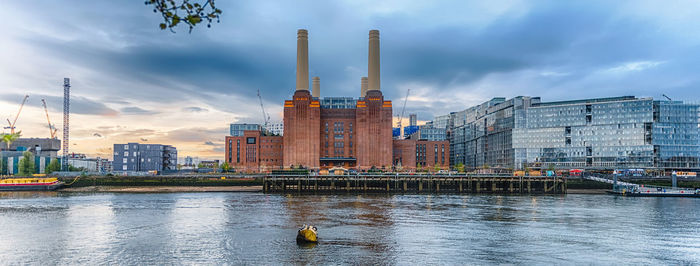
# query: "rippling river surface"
{"type": "Point", "coordinates": [255, 228]}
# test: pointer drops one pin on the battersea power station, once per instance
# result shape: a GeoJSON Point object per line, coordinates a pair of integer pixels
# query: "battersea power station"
{"type": "Point", "coordinates": [320, 133]}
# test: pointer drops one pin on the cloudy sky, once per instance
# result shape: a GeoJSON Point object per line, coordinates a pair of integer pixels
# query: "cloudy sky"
{"type": "Point", "coordinates": [132, 82]}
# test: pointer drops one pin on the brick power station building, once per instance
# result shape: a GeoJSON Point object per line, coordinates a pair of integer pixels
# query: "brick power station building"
{"type": "Point", "coordinates": [331, 131]}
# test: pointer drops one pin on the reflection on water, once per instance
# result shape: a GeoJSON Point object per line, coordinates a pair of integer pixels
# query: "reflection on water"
{"type": "Point", "coordinates": [252, 228]}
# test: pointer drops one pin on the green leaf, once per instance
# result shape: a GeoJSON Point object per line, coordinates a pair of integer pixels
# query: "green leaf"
{"type": "Point", "coordinates": [194, 19]}
{"type": "Point", "coordinates": [162, 26]}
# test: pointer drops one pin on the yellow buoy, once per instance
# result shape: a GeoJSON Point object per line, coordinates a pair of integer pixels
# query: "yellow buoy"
{"type": "Point", "coordinates": [307, 233]}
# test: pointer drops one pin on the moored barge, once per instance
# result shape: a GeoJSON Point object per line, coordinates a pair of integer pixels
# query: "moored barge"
{"type": "Point", "coordinates": [29, 184]}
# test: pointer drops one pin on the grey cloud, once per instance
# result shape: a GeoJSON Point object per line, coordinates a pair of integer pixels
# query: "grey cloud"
{"type": "Point", "coordinates": [248, 50]}
{"type": "Point", "coordinates": [132, 110]}
{"type": "Point", "coordinates": [194, 109]}
{"type": "Point", "coordinates": [78, 104]}
{"type": "Point", "coordinates": [196, 134]}
{"type": "Point", "coordinates": [116, 132]}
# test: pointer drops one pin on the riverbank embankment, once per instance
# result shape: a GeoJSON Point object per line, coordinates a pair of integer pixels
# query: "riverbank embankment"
{"type": "Point", "coordinates": [162, 189]}
{"type": "Point", "coordinates": [210, 183]}
{"type": "Point", "coordinates": [160, 184]}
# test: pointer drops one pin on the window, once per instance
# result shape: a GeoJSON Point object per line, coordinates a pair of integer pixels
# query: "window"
{"type": "Point", "coordinates": [250, 140]}
{"type": "Point", "coordinates": [126, 154]}
{"type": "Point", "coordinates": [126, 147]}
{"type": "Point", "coordinates": [125, 160]}
{"type": "Point", "coordinates": [124, 167]}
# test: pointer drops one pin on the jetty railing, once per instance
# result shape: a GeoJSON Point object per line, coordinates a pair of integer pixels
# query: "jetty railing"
{"type": "Point", "coordinates": [396, 183]}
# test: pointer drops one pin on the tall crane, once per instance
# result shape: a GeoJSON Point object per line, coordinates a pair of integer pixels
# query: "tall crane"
{"type": "Point", "coordinates": [12, 124]}
{"type": "Point", "coordinates": [669, 99]}
{"type": "Point", "coordinates": [266, 117]}
{"type": "Point", "coordinates": [52, 128]}
{"type": "Point", "coordinates": [402, 110]}
{"type": "Point", "coordinates": [66, 123]}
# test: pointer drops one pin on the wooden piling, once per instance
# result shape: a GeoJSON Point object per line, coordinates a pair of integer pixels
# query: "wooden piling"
{"type": "Point", "coordinates": [405, 184]}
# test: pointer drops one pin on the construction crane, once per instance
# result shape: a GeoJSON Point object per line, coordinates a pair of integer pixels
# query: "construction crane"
{"type": "Point", "coordinates": [669, 98]}
{"type": "Point", "coordinates": [402, 111]}
{"type": "Point", "coordinates": [12, 124]}
{"type": "Point", "coordinates": [266, 117]}
{"type": "Point", "coordinates": [66, 124]}
{"type": "Point", "coordinates": [52, 128]}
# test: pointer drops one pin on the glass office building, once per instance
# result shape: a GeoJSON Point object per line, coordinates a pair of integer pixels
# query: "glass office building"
{"type": "Point", "coordinates": [602, 133]}
{"type": "Point", "coordinates": [237, 130]}
{"type": "Point", "coordinates": [481, 136]}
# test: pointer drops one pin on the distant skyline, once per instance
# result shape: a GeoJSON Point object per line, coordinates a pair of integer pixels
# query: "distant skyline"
{"type": "Point", "coordinates": [132, 82]}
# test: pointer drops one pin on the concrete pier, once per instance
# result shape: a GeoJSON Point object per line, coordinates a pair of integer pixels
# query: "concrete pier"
{"type": "Point", "coordinates": [488, 184]}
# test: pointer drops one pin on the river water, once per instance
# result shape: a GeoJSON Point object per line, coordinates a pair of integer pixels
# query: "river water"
{"type": "Point", "coordinates": [254, 228]}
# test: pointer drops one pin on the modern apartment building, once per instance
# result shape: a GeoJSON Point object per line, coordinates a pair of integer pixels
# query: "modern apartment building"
{"type": "Point", "coordinates": [144, 157]}
{"type": "Point", "coordinates": [601, 133]}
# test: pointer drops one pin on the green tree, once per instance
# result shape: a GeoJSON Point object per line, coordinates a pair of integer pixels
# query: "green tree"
{"type": "Point", "coordinates": [436, 168]}
{"type": "Point", "coordinates": [188, 12]}
{"type": "Point", "coordinates": [225, 167]}
{"type": "Point", "coordinates": [419, 168]}
{"type": "Point", "coordinates": [460, 167]}
{"type": "Point", "coordinates": [54, 166]}
{"type": "Point", "coordinates": [9, 138]}
{"type": "Point", "coordinates": [26, 164]}
{"type": "Point", "coordinates": [76, 169]}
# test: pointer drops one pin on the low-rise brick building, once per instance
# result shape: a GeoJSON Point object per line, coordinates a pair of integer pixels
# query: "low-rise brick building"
{"type": "Point", "coordinates": [254, 151]}
{"type": "Point", "coordinates": [411, 154]}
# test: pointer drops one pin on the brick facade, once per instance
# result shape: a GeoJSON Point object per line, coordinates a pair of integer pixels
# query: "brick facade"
{"type": "Point", "coordinates": [317, 137]}
{"type": "Point", "coordinates": [338, 138]}
{"type": "Point", "coordinates": [374, 136]}
{"type": "Point", "coordinates": [302, 122]}
{"type": "Point", "coordinates": [410, 152]}
{"type": "Point", "coordinates": [254, 152]}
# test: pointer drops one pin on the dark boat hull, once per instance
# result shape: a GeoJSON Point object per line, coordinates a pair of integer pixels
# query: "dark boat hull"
{"type": "Point", "coordinates": [684, 195]}
{"type": "Point", "coordinates": [30, 187]}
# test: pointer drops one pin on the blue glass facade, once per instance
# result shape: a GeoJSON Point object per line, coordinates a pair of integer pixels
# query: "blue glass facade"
{"type": "Point", "coordinates": [395, 132]}
{"type": "Point", "coordinates": [409, 130]}
{"type": "Point", "coordinates": [428, 132]}
{"type": "Point", "coordinates": [603, 133]}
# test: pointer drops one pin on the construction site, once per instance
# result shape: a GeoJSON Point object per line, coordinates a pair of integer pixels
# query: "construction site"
{"type": "Point", "coordinates": [44, 150]}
